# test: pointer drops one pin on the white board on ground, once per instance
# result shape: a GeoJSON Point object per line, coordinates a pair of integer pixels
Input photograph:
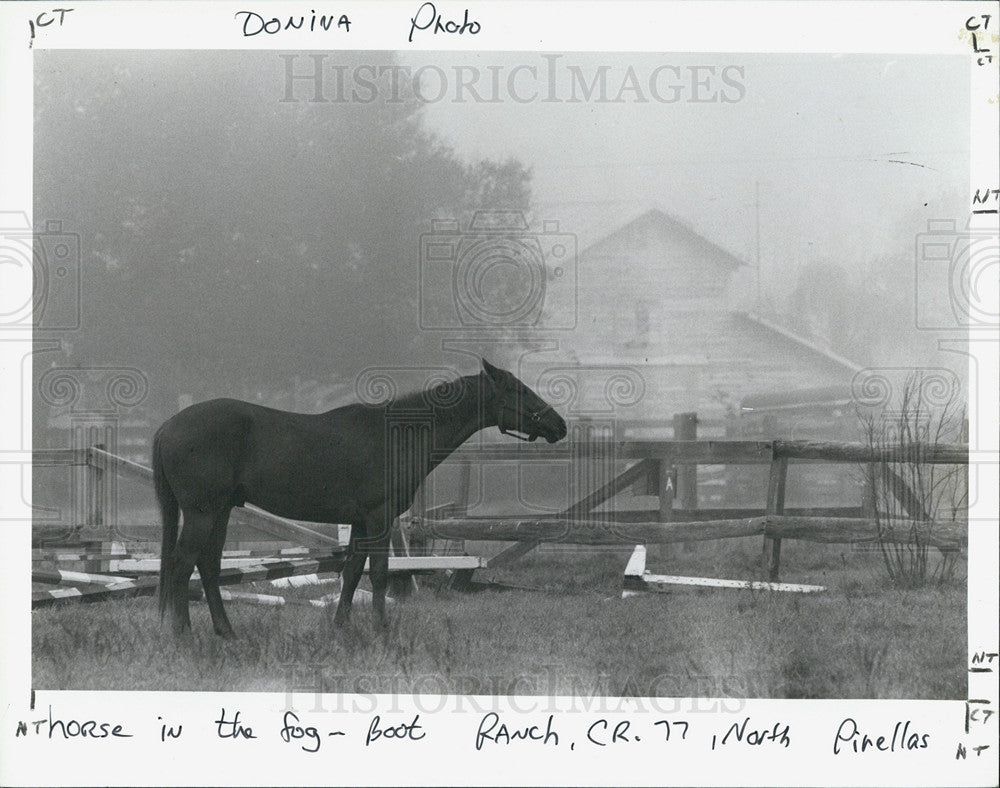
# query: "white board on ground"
{"type": "Point", "coordinates": [656, 583]}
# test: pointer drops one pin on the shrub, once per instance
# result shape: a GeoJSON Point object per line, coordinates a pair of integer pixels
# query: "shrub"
{"type": "Point", "coordinates": [909, 497]}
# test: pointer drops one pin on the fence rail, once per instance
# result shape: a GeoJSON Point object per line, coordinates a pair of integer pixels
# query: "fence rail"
{"type": "Point", "coordinates": [588, 522]}
{"type": "Point", "coordinates": [279, 527]}
{"type": "Point", "coordinates": [652, 462]}
{"type": "Point", "coordinates": [719, 452]}
{"type": "Point", "coordinates": [943, 535]}
{"type": "Point", "coordinates": [698, 452]}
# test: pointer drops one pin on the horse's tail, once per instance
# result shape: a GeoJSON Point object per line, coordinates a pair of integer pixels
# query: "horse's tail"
{"type": "Point", "coordinates": [170, 514]}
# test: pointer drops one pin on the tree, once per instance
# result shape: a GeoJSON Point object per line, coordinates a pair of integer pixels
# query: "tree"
{"type": "Point", "coordinates": [231, 240]}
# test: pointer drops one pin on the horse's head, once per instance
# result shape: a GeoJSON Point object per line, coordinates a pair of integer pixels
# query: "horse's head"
{"type": "Point", "coordinates": [520, 411]}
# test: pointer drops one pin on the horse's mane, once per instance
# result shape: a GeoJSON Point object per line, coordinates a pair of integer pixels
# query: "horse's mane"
{"type": "Point", "coordinates": [438, 395]}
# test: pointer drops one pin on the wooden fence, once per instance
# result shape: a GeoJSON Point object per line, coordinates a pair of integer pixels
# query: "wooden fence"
{"type": "Point", "coordinates": [655, 466]}
{"type": "Point", "coordinates": [590, 521]}
{"type": "Point", "coordinates": [113, 571]}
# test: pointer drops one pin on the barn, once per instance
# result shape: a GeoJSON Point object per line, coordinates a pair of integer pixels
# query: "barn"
{"type": "Point", "coordinates": [665, 324]}
{"type": "Point", "coordinates": [667, 313]}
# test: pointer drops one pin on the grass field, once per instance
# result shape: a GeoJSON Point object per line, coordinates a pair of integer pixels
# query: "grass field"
{"type": "Point", "coordinates": [575, 635]}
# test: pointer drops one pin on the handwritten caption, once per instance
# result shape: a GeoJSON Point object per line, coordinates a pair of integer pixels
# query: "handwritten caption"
{"type": "Point", "coordinates": [492, 731]}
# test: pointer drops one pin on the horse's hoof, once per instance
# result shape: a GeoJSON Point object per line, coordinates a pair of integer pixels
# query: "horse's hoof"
{"type": "Point", "coordinates": [182, 633]}
{"type": "Point", "coordinates": [226, 634]}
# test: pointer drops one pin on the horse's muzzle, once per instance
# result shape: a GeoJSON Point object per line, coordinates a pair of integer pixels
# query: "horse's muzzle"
{"type": "Point", "coordinates": [557, 435]}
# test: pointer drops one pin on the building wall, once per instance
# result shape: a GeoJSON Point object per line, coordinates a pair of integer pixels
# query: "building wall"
{"type": "Point", "coordinates": [654, 296]}
{"type": "Point", "coordinates": [646, 291]}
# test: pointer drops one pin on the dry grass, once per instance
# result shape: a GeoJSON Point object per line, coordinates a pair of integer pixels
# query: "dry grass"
{"type": "Point", "coordinates": [862, 638]}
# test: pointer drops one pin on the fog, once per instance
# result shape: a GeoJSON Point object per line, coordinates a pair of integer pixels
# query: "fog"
{"type": "Point", "coordinates": [849, 151]}
{"type": "Point", "coordinates": [250, 234]}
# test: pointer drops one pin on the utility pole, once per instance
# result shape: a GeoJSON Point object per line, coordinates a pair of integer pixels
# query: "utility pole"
{"type": "Point", "coordinates": [756, 206]}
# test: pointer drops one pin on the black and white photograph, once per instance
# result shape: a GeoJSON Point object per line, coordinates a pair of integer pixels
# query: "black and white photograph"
{"type": "Point", "coordinates": [499, 393]}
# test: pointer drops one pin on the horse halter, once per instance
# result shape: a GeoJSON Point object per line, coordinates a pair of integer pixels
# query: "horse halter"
{"type": "Point", "coordinates": [534, 416]}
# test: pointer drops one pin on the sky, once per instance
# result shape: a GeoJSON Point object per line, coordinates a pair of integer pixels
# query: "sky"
{"type": "Point", "coordinates": [797, 159]}
{"type": "Point", "coordinates": [850, 154]}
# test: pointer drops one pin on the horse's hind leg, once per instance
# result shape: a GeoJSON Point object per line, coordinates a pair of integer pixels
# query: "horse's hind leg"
{"type": "Point", "coordinates": [377, 546]}
{"type": "Point", "coordinates": [196, 531]}
{"type": "Point", "coordinates": [354, 567]}
{"type": "Point", "coordinates": [209, 566]}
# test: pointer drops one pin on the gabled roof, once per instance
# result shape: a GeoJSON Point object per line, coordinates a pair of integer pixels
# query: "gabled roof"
{"type": "Point", "coordinates": [595, 222]}
{"type": "Point", "coordinates": [797, 399]}
{"type": "Point", "coordinates": [802, 342]}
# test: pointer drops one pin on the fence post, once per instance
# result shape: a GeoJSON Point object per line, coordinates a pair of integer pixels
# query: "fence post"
{"type": "Point", "coordinates": [464, 494]}
{"type": "Point", "coordinates": [661, 474]}
{"type": "Point", "coordinates": [775, 505]}
{"type": "Point", "coordinates": [651, 483]}
{"type": "Point", "coordinates": [868, 500]}
{"type": "Point", "coordinates": [408, 434]}
{"type": "Point", "coordinates": [461, 579]}
{"type": "Point", "coordinates": [95, 493]}
{"type": "Point", "coordinates": [97, 490]}
{"type": "Point", "coordinates": [95, 496]}
{"type": "Point", "coordinates": [404, 583]}
{"type": "Point", "coordinates": [686, 429]}
{"type": "Point", "coordinates": [464, 486]}
{"type": "Point", "coordinates": [666, 490]}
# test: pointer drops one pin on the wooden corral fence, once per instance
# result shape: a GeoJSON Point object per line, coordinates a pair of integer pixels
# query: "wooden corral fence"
{"type": "Point", "coordinates": [597, 519]}
{"type": "Point", "coordinates": [111, 570]}
{"type": "Point", "coordinates": [652, 466]}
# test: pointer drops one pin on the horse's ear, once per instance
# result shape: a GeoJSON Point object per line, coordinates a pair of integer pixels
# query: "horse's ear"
{"type": "Point", "coordinates": [494, 375]}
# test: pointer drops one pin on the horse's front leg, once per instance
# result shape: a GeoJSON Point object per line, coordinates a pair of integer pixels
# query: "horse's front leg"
{"type": "Point", "coordinates": [378, 524]}
{"type": "Point", "coordinates": [378, 570]}
{"type": "Point", "coordinates": [369, 540]}
{"type": "Point", "coordinates": [354, 567]}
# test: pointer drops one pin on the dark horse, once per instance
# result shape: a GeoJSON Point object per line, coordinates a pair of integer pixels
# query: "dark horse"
{"type": "Point", "coordinates": [359, 464]}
